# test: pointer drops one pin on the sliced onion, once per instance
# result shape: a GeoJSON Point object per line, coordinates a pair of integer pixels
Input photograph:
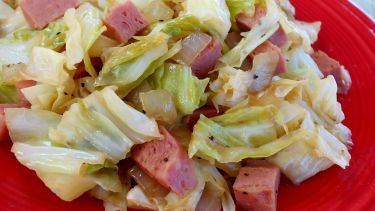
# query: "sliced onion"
{"type": "Point", "coordinates": [159, 105]}
{"type": "Point", "coordinates": [210, 199]}
{"type": "Point", "coordinates": [150, 186]}
{"type": "Point", "coordinates": [192, 45]}
{"type": "Point", "coordinates": [133, 98]}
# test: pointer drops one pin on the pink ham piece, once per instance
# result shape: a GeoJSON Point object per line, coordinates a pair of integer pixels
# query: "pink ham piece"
{"type": "Point", "coordinates": [268, 46]}
{"type": "Point", "coordinates": [245, 22]}
{"type": "Point", "coordinates": [279, 38]}
{"type": "Point", "coordinates": [256, 187]}
{"type": "Point", "coordinates": [124, 21]}
{"type": "Point", "coordinates": [167, 162]}
{"type": "Point", "coordinates": [329, 66]}
{"type": "Point", "coordinates": [206, 60]}
{"type": "Point", "coordinates": [39, 13]}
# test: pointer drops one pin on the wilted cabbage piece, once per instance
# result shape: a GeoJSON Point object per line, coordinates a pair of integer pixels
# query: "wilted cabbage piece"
{"type": "Point", "coordinates": [67, 187]}
{"type": "Point", "coordinates": [322, 95]}
{"type": "Point", "coordinates": [46, 66]}
{"type": "Point", "coordinates": [213, 13]}
{"type": "Point", "coordinates": [216, 187]}
{"type": "Point", "coordinates": [127, 67]}
{"type": "Point", "coordinates": [300, 65]}
{"type": "Point", "coordinates": [27, 125]}
{"type": "Point", "coordinates": [181, 26]}
{"type": "Point", "coordinates": [17, 46]}
{"type": "Point", "coordinates": [187, 90]}
{"type": "Point", "coordinates": [13, 51]}
{"type": "Point", "coordinates": [240, 6]}
{"type": "Point", "coordinates": [231, 86]}
{"type": "Point", "coordinates": [246, 131]}
{"type": "Point", "coordinates": [48, 97]}
{"type": "Point", "coordinates": [83, 144]}
{"type": "Point", "coordinates": [53, 36]}
{"type": "Point", "coordinates": [84, 27]}
{"type": "Point", "coordinates": [56, 159]}
{"type": "Point", "coordinates": [256, 36]}
{"type": "Point", "coordinates": [304, 159]}
{"type": "Point", "coordinates": [11, 20]}
{"type": "Point", "coordinates": [102, 121]}
{"type": "Point", "coordinates": [301, 33]}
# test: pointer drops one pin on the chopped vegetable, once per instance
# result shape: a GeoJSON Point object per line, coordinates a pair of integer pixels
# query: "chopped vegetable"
{"type": "Point", "coordinates": [163, 104]}
{"type": "Point", "coordinates": [187, 90]}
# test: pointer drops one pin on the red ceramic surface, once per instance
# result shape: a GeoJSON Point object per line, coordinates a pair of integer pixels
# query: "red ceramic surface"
{"type": "Point", "coordinates": [347, 35]}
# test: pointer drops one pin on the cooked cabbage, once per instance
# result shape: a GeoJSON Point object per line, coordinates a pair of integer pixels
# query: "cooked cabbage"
{"type": "Point", "coordinates": [213, 13]}
{"type": "Point", "coordinates": [187, 90]}
{"type": "Point", "coordinates": [126, 67]}
{"type": "Point", "coordinates": [256, 36]}
{"type": "Point", "coordinates": [85, 26]}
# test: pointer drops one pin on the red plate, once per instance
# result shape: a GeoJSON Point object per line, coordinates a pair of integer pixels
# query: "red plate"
{"type": "Point", "coordinates": [347, 35]}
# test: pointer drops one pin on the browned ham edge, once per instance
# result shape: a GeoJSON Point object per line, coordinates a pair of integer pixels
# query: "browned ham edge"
{"type": "Point", "coordinates": [124, 21]}
{"type": "Point", "coordinates": [279, 38]}
{"type": "Point", "coordinates": [329, 66]}
{"type": "Point", "coordinates": [246, 22]}
{"type": "Point", "coordinates": [207, 59]}
{"type": "Point", "coordinates": [268, 46]}
{"type": "Point", "coordinates": [167, 162]}
{"type": "Point", "coordinates": [208, 111]}
{"type": "Point", "coordinates": [39, 13]}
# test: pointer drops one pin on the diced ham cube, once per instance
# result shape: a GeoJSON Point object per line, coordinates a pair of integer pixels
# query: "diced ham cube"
{"type": "Point", "coordinates": [329, 66]}
{"type": "Point", "coordinates": [268, 46]}
{"type": "Point", "coordinates": [279, 38]}
{"type": "Point", "coordinates": [39, 13]}
{"type": "Point", "coordinates": [245, 22]}
{"type": "Point", "coordinates": [255, 188]}
{"type": "Point", "coordinates": [206, 60]}
{"type": "Point", "coordinates": [124, 21]}
{"type": "Point", "coordinates": [208, 111]}
{"type": "Point", "coordinates": [167, 162]}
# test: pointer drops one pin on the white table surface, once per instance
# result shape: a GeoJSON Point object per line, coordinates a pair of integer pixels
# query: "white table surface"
{"type": "Point", "coordinates": [367, 6]}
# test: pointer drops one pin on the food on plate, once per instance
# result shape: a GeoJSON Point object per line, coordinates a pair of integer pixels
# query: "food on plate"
{"type": "Point", "coordinates": [169, 104]}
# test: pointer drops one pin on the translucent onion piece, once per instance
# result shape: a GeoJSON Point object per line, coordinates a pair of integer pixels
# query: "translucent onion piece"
{"type": "Point", "coordinates": [210, 199]}
{"type": "Point", "coordinates": [150, 186]}
{"type": "Point", "coordinates": [192, 45]}
{"type": "Point", "coordinates": [159, 105]}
